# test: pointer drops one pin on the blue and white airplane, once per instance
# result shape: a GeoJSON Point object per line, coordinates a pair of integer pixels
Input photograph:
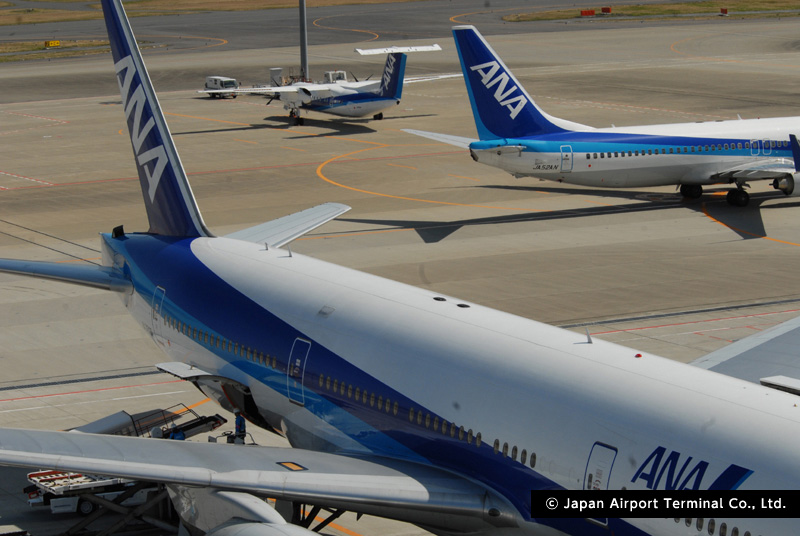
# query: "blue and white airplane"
{"type": "Point", "coordinates": [517, 136]}
{"type": "Point", "coordinates": [338, 95]}
{"type": "Point", "coordinates": [398, 402]}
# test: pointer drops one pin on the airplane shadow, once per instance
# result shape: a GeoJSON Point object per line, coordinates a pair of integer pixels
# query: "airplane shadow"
{"type": "Point", "coordinates": [744, 221]}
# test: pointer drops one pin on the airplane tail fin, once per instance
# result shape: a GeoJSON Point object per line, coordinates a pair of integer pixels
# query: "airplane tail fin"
{"type": "Point", "coordinates": [168, 198]}
{"type": "Point", "coordinates": [393, 74]}
{"type": "Point", "coordinates": [501, 106]}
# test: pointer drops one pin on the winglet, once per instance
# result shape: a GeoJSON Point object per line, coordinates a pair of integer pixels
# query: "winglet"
{"type": "Point", "coordinates": [170, 204]}
{"type": "Point", "coordinates": [393, 73]}
{"type": "Point", "coordinates": [795, 151]}
{"type": "Point", "coordinates": [501, 106]}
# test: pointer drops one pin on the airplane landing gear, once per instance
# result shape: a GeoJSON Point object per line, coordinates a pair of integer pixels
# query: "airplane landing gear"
{"type": "Point", "coordinates": [738, 197]}
{"type": "Point", "coordinates": [691, 191]}
{"type": "Point", "coordinates": [378, 116]}
{"type": "Point", "coordinates": [294, 114]}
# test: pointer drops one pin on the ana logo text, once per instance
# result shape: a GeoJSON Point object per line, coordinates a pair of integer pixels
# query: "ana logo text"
{"type": "Point", "coordinates": [388, 72]}
{"type": "Point", "coordinates": [134, 103]}
{"type": "Point", "coordinates": [674, 471]}
{"type": "Point", "coordinates": [490, 77]}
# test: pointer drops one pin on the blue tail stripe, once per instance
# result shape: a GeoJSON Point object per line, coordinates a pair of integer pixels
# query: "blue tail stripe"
{"type": "Point", "coordinates": [501, 106]}
{"type": "Point", "coordinates": [171, 208]}
{"type": "Point", "coordinates": [393, 74]}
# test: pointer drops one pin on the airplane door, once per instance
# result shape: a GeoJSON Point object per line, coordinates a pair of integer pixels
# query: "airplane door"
{"type": "Point", "coordinates": [158, 304]}
{"type": "Point", "coordinates": [296, 370]}
{"type": "Point", "coordinates": [598, 471]}
{"type": "Point", "coordinates": [766, 148]}
{"type": "Point", "coordinates": [566, 158]}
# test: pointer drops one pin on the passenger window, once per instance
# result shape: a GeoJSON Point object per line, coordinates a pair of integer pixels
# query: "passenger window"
{"type": "Point", "coordinates": [711, 526]}
{"type": "Point", "coordinates": [496, 446]}
{"type": "Point", "coordinates": [723, 529]}
{"type": "Point", "coordinates": [436, 424]}
{"type": "Point", "coordinates": [321, 380]}
{"type": "Point", "coordinates": [588, 156]}
{"type": "Point", "coordinates": [419, 417]}
{"type": "Point", "coordinates": [387, 406]}
{"type": "Point", "coordinates": [533, 460]}
{"type": "Point", "coordinates": [505, 450]}
{"type": "Point", "coordinates": [380, 406]}
{"type": "Point", "coordinates": [461, 433]}
{"type": "Point", "coordinates": [478, 439]}
{"type": "Point", "coordinates": [349, 391]}
{"type": "Point", "coordinates": [427, 417]}
{"type": "Point", "coordinates": [452, 429]}
{"type": "Point", "coordinates": [735, 531]}
{"type": "Point", "coordinates": [395, 408]}
{"type": "Point", "coordinates": [372, 403]}
{"type": "Point", "coordinates": [602, 155]}
{"type": "Point", "coordinates": [514, 453]}
{"type": "Point", "coordinates": [699, 524]}
{"type": "Point", "coordinates": [335, 386]}
{"type": "Point", "coordinates": [470, 437]}
{"type": "Point", "coordinates": [523, 457]}
{"type": "Point", "coordinates": [411, 414]}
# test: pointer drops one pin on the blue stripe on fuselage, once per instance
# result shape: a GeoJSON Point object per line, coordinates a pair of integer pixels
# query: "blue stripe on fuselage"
{"type": "Point", "coordinates": [603, 142]}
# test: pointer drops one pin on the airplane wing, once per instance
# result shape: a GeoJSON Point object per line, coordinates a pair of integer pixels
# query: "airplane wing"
{"type": "Point", "coordinates": [767, 354]}
{"type": "Point", "coordinates": [773, 168]}
{"type": "Point", "coordinates": [431, 77]}
{"type": "Point", "coordinates": [315, 91]}
{"type": "Point", "coordinates": [281, 231]}
{"type": "Point", "coordinates": [362, 484]}
{"type": "Point", "coordinates": [458, 141]}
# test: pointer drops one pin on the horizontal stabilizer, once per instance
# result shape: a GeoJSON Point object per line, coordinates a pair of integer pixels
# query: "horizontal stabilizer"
{"type": "Point", "coordinates": [80, 274]}
{"type": "Point", "coordinates": [458, 141]}
{"type": "Point", "coordinates": [277, 233]}
{"type": "Point", "coordinates": [392, 50]}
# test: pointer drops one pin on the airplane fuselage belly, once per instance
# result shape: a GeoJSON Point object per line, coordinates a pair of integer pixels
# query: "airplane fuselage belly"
{"type": "Point", "coordinates": [329, 351]}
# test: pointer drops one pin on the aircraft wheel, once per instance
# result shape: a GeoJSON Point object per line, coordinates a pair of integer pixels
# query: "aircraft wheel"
{"type": "Point", "coordinates": [378, 116]}
{"type": "Point", "coordinates": [691, 191]}
{"type": "Point", "coordinates": [738, 198]}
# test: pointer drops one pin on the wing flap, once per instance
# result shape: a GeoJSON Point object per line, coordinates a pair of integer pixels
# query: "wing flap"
{"type": "Point", "coordinates": [281, 231]}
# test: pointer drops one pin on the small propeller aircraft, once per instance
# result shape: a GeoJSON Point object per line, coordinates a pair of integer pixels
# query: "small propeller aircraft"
{"type": "Point", "coordinates": [339, 96]}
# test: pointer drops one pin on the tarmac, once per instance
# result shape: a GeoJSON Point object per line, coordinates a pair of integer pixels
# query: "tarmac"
{"type": "Point", "coordinates": [643, 267]}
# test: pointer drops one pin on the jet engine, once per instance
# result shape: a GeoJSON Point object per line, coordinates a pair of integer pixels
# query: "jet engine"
{"type": "Point", "coordinates": [787, 184]}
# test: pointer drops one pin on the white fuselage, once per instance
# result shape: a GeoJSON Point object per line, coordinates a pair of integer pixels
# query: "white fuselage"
{"type": "Point", "coordinates": [400, 371]}
{"type": "Point", "coordinates": [688, 153]}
